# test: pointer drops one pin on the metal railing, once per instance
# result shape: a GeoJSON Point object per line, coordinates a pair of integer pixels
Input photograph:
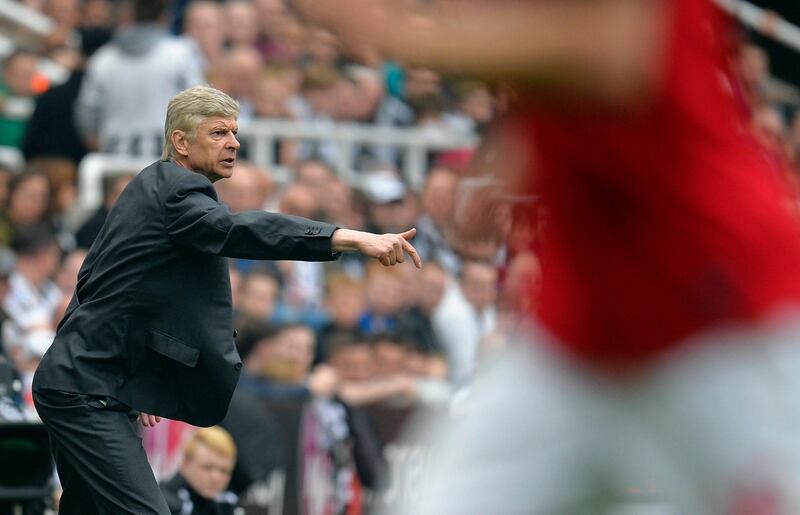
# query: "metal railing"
{"type": "Point", "coordinates": [25, 26]}
{"type": "Point", "coordinates": [414, 143]}
{"type": "Point", "coordinates": [765, 22]}
{"type": "Point", "coordinates": [262, 136]}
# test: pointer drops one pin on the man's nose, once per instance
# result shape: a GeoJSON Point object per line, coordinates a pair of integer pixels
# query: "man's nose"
{"type": "Point", "coordinates": [233, 142]}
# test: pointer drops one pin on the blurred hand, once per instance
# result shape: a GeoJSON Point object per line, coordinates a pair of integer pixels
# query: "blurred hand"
{"type": "Point", "coordinates": [389, 249]}
{"type": "Point", "coordinates": [149, 420]}
{"type": "Point", "coordinates": [356, 23]}
{"type": "Point", "coordinates": [323, 381]}
{"type": "Point", "coordinates": [406, 386]}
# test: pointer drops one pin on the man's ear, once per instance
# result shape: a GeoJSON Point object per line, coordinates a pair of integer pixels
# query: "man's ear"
{"type": "Point", "coordinates": [180, 142]}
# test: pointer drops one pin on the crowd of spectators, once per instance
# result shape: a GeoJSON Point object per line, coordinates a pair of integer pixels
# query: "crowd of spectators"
{"type": "Point", "coordinates": [339, 336]}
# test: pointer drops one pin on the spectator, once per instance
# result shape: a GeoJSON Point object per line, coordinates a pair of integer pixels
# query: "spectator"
{"type": "Point", "coordinates": [241, 20]}
{"type": "Point", "coordinates": [429, 111]}
{"type": "Point", "coordinates": [350, 355]}
{"type": "Point", "coordinates": [128, 83]}
{"type": "Point", "coordinates": [97, 14]}
{"type": "Point", "coordinates": [67, 16]}
{"type": "Point", "coordinates": [385, 300]}
{"type": "Point", "coordinates": [430, 373]}
{"type": "Point", "coordinates": [248, 188]}
{"type": "Point", "coordinates": [280, 36]}
{"type": "Point", "coordinates": [362, 379]}
{"type": "Point", "coordinates": [33, 296]}
{"type": "Point", "coordinates": [277, 365]}
{"type": "Point", "coordinates": [28, 204]}
{"type": "Point", "coordinates": [304, 281]}
{"type": "Point", "coordinates": [436, 221]}
{"type": "Point", "coordinates": [31, 301]}
{"type": "Point", "coordinates": [51, 130]}
{"type": "Point", "coordinates": [275, 92]}
{"type": "Point", "coordinates": [261, 441]}
{"type": "Point", "coordinates": [345, 304]}
{"type": "Point", "coordinates": [203, 23]}
{"type": "Point", "coordinates": [344, 206]}
{"type": "Point", "coordinates": [434, 281]}
{"type": "Point", "coordinates": [259, 295]}
{"type": "Point", "coordinates": [322, 104]}
{"type": "Point", "coordinates": [390, 203]}
{"type": "Point", "coordinates": [352, 358]}
{"type": "Point", "coordinates": [276, 97]}
{"type": "Point", "coordinates": [200, 487]}
{"type": "Point", "coordinates": [474, 106]}
{"type": "Point", "coordinates": [322, 46]}
{"type": "Point", "coordinates": [361, 93]}
{"type": "Point", "coordinates": [317, 175]}
{"type": "Point", "coordinates": [396, 111]}
{"type": "Point", "coordinates": [61, 174]}
{"type": "Point", "coordinates": [241, 66]}
{"type": "Point", "coordinates": [299, 200]}
{"type": "Point", "coordinates": [21, 81]}
{"type": "Point", "coordinates": [455, 320]}
{"type": "Point", "coordinates": [413, 321]}
{"type": "Point", "coordinates": [391, 355]}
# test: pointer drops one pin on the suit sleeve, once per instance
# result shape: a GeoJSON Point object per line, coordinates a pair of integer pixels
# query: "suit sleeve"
{"type": "Point", "coordinates": [193, 217]}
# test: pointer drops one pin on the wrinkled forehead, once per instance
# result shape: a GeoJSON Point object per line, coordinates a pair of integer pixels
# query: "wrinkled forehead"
{"type": "Point", "coordinates": [213, 122]}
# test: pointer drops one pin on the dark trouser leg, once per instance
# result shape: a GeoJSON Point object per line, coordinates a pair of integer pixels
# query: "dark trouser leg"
{"type": "Point", "coordinates": [75, 497]}
{"type": "Point", "coordinates": [99, 451]}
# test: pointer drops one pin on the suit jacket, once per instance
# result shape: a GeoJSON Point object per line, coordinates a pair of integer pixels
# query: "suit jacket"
{"type": "Point", "coordinates": [150, 323]}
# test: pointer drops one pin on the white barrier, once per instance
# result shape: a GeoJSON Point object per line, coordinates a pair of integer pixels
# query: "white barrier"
{"type": "Point", "coordinates": [413, 142]}
{"type": "Point", "coordinates": [768, 23]}
{"type": "Point", "coordinates": [94, 167]}
{"type": "Point", "coordinates": [261, 136]}
{"type": "Point", "coordinates": [25, 26]}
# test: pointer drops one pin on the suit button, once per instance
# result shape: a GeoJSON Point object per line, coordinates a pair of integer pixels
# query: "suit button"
{"type": "Point", "coordinates": [313, 231]}
{"type": "Point", "coordinates": [237, 367]}
{"type": "Point", "coordinates": [235, 333]}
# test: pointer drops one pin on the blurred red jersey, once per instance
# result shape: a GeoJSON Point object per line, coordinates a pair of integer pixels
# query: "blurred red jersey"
{"type": "Point", "coordinates": [666, 220]}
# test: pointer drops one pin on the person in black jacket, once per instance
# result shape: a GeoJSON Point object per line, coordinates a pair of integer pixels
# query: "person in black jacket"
{"type": "Point", "coordinates": [200, 487]}
{"type": "Point", "coordinates": [51, 131]}
{"type": "Point", "coordinates": [149, 330]}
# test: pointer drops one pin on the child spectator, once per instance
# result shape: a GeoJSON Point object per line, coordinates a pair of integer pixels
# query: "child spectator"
{"type": "Point", "coordinates": [200, 487]}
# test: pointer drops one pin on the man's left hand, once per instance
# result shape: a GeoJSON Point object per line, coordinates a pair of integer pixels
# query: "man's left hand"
{"type": "Point", "coordinates": [149, 420]}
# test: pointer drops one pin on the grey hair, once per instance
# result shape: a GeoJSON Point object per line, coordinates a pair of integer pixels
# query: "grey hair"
{"type": "Point", "coordinates": [190, 107]}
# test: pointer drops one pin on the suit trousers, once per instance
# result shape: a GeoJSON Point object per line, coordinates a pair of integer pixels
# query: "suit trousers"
{"type": "Point", "coordinates": [99, 455]}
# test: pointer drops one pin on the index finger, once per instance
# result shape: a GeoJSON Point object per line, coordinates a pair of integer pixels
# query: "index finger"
{"type": "Point", "coordinates": [409, 248]}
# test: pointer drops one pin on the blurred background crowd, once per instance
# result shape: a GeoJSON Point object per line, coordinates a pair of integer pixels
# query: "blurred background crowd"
{"type": "Point", "coordinates": [330, 340]}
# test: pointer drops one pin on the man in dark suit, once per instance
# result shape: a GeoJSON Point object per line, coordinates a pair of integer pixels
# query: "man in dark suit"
{"type": "Point", "coordinates": [149, 329]}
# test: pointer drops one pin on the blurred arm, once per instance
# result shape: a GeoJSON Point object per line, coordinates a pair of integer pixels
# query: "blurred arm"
{"type": "Point", "coordinates": [609, 49]}
{"type": "Point", "coordinates": [377, 390]}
